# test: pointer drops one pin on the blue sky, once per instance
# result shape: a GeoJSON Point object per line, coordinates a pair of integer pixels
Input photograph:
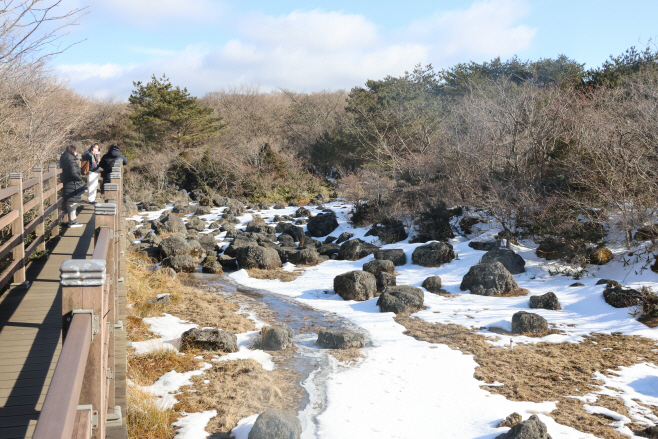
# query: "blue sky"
{"type": "Point", "coordinates": [209, 45]}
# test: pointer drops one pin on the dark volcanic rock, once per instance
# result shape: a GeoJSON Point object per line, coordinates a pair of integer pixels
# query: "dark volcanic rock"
{"type": "Point", "coordinates": [385, 280]}
{"type": "Point", "coordinates": [180, 263]}
{"type": "Point", "coordinates": [484, 245]}
{"type": "Point", "coordinates": [212, 267]}
{"type": "Point", "coordinates": [174, 245]}
{"type": "Point", "coordinates": [302, 212]}
{"type": "Point", "coordinates": [329, 339]}
{"type": "Point", "coordinates": [513, 262]}
{"type": "Point", "coordinates": [355, 285]}
{"type": "Point", "coordinates": [195, 224]}
{"type": "Point", "coordinates": [401, 299]}
{"type": "Point", "coordinates": [395, 255]}
{"type": "Point", "coordinates": [392, 231]}
{"type": "Point", "coordinates": [533, 428]}
{"type": "Point", "coordinates": [345, 236]}
{"type": "Point", "coordinates": [322, 224]}
{"type": "Point", "coordinates": [169, 223]}
{"type": "Point", "coordinates": [622, 297]}
{"type": "Point", "coordinates": [276, 338]}
{"type": "Point", "coordinates": [489, 280]}
{"type": "Point", "coordinates": [377, 266]}
{"type": "Point", "coordinates": [296, 232]}
{"type": "Point", "coordinates": [528, 322]}
{"type": "Point", "coordinates": [286, 240]}
{"type": "Point", "coordinates": [356, 249]}
{"type": "Point", "coordinates": [545, 301]}
{"type": "Point", "coordinates": [258, 257]}
{"type": "Point", "coordinates": [329, 249]}
{"type": "Point", "coordinates": [276, 424]}
{"type": "Point", "coordinates": [608, 283]}
{"type": "Point", "coordinates": [209, 339]}
{"type": "Point", "coordinates": [434, 254]}
{"type": "Point", "coordinates": [433, 284]}
{"type": "Point", "coordinates": [228, 263]}
{"type": "Point", "coordinates": [577, 284]}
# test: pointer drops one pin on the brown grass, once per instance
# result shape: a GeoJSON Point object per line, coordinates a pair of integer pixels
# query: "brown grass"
{"type": "Point", "coordinates": [279, 273]}
{"type": "Point", "coordinates": [547, 371]}
{"type": "Point", "coordinates": [238, 389]}
{"type": "Point", "coordinates": [137, 329]}
{"type": "Point", "coordinates": [145, 369]}
{"type": "Point", "coordinates": [348, 356]}
{"type": "Point", "coordinates": [145, 419]}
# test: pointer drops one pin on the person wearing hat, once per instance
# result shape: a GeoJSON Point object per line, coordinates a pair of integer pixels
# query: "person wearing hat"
{"type": "Point", "coordinates": [73, 185]}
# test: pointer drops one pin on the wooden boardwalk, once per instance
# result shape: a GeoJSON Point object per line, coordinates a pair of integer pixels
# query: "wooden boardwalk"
{"type": "Point", "coordinates": [30, 334]}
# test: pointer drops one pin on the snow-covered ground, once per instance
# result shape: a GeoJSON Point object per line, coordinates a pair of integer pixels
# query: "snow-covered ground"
{"type": "Point", "coordinates": [405, 388]}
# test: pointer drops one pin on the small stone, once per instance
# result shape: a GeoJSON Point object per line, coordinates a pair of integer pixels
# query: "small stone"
{"type": "Point", "coordinates": [433, 284]}
{"type": "Point", "coordinates": [510, 421]}
{"type": "Point", "coordinates": [577, 284]}
{"type": "Point", "coordinates": [609, 283]}
{"type": "Point", "coordinates": [545, 301]}
{"type": "Point", "coordinates": [209, 339]}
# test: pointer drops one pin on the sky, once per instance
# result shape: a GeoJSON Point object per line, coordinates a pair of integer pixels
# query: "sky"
{"type": "Point", "coordinates": [212, 45]}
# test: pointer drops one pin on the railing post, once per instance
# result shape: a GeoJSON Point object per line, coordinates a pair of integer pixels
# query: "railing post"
{"type": "Point", "coordinates": [54, 198]}
{"type": "Point", "coordinates": [85, 289]}
{"type": "Point", "coordinates": [115, 177]}
{"type": "Point", "coordinates": [18, 227]}
{"type": "Point", "coordinates": [37, 172]}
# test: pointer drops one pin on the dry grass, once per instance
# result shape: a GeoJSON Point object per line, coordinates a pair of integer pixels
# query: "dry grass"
{"type": "Point", "coordinates": [145, 369]}
{"type": "Point", "coordinates": [348, 356]}
{"type": "Point", "coordinates": [137, 329]}
{"type": "Point", "coordinates": [145, 419]}
{"type": "Point", "coordinates": [547, 371]}
{"type": "Point", "coordinates": [279, 273]}
{"type": "Point", "coordinates": [238, 389]}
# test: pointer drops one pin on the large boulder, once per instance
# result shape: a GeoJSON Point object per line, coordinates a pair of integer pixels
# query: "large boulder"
{"type": "Point", "coordinates": [254, 256]}
{"type": "Point", "coordinates": [533, 428]}
{"type": "Point", "coordinates": [228, 263]}
{"type": "Point", "coordinates": [395, 255]}
{"type": "Point", "coordinates": [233, 207]}
{"type": "Point", "coordinates": [524, 322]}
{"type": "Point", "coordinates": [510, 260]}
{"type": "Point", "coordinates": [209, 339]}
{"type": "Point", "coordinates": [622, 297]}
{"type": "Point", "coordinates": [433, 284]}
{"type": "Point", "coordinates": [302, 212]}
{"type": "Point", "coordinates": [276, 424]}
{"type": "Point", "coordinates": [180, 263]}
{"type": "Point", "coordinates": [196, 250]}
{"type": "Point", "coordinates": [296, 232]}
{"type": "Point", "coordinates": [286, 240]}
{"type": "Point", "coordinates": [151, 239]}
{"type": "Point", "coordinates": [208, 242]}
{"type": "Point", "coordinates": [434, 254]}
{"type": "Point", "coordinates": [545, 301]}
{"type": "Point", "coordinates": [195, 224]}
{"type": "Point", "coordinates": [259, 227]}
{"type": "Point", "coordinates": [174, 245]}
{"type": "Point", "coordinates": [202, 210]}
{"type": "Point", "coordinates": [212, 267]}
{"type": "Point", "coordinates": [401, 299]}
{"type": "Point", "coordinates": [355, 249]}
{"type": "Point", "coordinates": [169, 223]}
{"type": "Point", "coordinates": [329, 249]}
{"type": "Point", "coordinates": [484, 245]}
{"type": "Point", "coordinates": [181, 207]}
{"type": "Point", "coordinates": [490, 280]}
{"type": "Point", "coordinates": [378, 266]}
{"type": "Point", "coordinates": [238, 243]}
{"type": "Point", "coordinates": [329, 339]}
{"type": "Point", "coordinates": [322, 224]}
{"type": "Point", "coordinates": [345, 236]}
{"type": "Point", "coordinates": [385, 280]}
{"type": "Point", "coordinates": [306, 256]}
{"type": "Point", "coordinates": [276, 338]}
{"type": "Point", "coordinates": [389, 232]}
{"type": "Point", "coordinates": [355, 285]}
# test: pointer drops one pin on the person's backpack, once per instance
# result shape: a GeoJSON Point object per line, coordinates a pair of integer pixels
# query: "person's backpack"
{"type": "Point", "coordinates": [84, 167]}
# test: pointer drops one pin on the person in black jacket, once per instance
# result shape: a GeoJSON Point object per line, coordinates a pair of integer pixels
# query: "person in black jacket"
{"type": "Point", "coordinates": [73, 184]}
{"type": "Point", "coordinates": [112, 158]}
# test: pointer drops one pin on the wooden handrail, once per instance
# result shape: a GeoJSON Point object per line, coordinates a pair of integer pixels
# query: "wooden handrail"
{"type": "Point", "coordinates": [6, 275]}
{"type": "Point", "coordinates": [57, 418]}
{"type": "Point", "coordinates": [29, 183]}
{"type": "Point", "coordinates": [102, 244]}
{"type": "Point", "coordinates": [8, 192]}
{"type": "Point", "coordinates": [9, 245]}
{"type": "Point", "coordinates": [8, 219]}
{"type": "Point", "coordinates": [33, 224]}
{"type": "Point", "coordinates": [31, 204]}
{"type": "Point", "coordinates": [49, 175]}
{"type": "Point", "coordinates": [32, 247]}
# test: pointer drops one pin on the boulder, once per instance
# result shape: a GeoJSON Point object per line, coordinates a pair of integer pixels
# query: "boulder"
{"type": "Point", "coordinates": [600, 256]}
{"type": "Point", "coordinates": [389, 232]}
{"type": "Point", "coordinates": [152, 239]}
{"type": "Point", "coordinates": [233, 207]}
{"type": "Point", "coordinates": [329, 239]}
{"type": "Point", "coordinates": [181, 207]}
{"type": "Point", "coordinates": [329, 339]}
{"type": "Point", "coordinates": [395, 255]}
{"type": "Point", "coordinates": [545, 301]}
{"type": "Point", "coordinates": [180, 263]}
{"type": "Point", "coordinates": [302, 212]}
{"type": "Point", "coordinates": [276, 424]}
{"type": "Point", "coordinates": [322, 224]}
{"type": "Point", "coordinates": [209, 339]}
{"type": "Point", "coordinates": [560, 248]}
{"type": "Point", "coordinates": [345, 236]}
{"type": "Point", "coordinates": [259, 227]}
{"type": "Point", "coordinates": [528, 322]}
{"type": "Point", "coordinates": [433, 284]}
{"type": "Point", "coordinates": [490, 280]}
{"type": "Point", "coordinates": [622, 297]}
{"type": "Point", "coordinates": [533, 428]}
{"type": "Point", "coordinates": [228, 263]}
{"type": "Point", "coordinates": [577, 284]}
{"type": "Point", "coordinates": [355, 285]}
{"type": "Point", "coordinates": [227, 227]}
{"type": "Point", "coordinates": [329, 249]}
{"type": "Point", "coordinates": [647, 233]}
{"type": "Point", "coordinates": [510, 421]}
{"type": "Point", "coordinates": [202, 210]}
{"type": "Point", "coordinates": [484, 245]}
{"type": "Point", "coordinates": [196, 249]}
{"type": "Point", "coordinates": [174, 245]}
{"type": "Point", "coordinates": [510, 260]}
{"type": "Point", "coordinates": [378, 266]}
{"type": "Point", "coordinates": [212, 267]}
{"type": "Point", "coordinates": [238, 243]}
{"type": "Point", "coordinates": [208, 242]}
{"type": "Point", "coordinates": [254, 256]}
{"type": "Point", "coordinates": [355, 249]}
{"type": "Point", "coordinates": [215, 225]}
{"type": "Point", "coordinates": [306, 256]}
{"type": "Point", "coordinates": [434, 254]}
{"type": "Point", "coordinates": [401, 299]}
{"type": "Point", "coordinates": [195, 224]}
{"type": "Point", "coordinates": [384, 280]}
{"type": "Point", "coordinates": [276, 338]}
{"type": "Point", "coordinates": [608, 283]}
{"type": "Point", "coordinates": [196, 194]}
{"type": "Point", "coordinates": [169, 223]}
{"type": "Point", "coordinates": [286, 240]}
{"type": "Point", "coordinates": [279, 206]}
{"type": "Point", "coordinates": [296, 232]}
{"type": "Point", "coordinates": [169, 272]}
{"type": "Point", "coordinates": [300, 222]}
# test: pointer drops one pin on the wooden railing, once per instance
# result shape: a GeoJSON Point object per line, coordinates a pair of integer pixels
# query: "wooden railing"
{"type": "Point", "coordinates": [80, 402]}
{"type": "Point", "coordinates": [15, 218]}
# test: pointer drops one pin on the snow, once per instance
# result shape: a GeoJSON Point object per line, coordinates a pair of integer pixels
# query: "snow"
{"type": "Point", "coordinates": [169, 383]}
{"type": "Point", "coordinates": [241, 431]}
{"type": "Point", "coordinates": [192, 425]}
{"type": "Point", "coordinates": [169, 328]}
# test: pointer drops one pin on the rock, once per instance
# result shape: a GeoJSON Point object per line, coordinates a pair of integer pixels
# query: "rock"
{"type": "Point", "coordinates": [212, 267]}
{"type": "Point", "coordinates": [389, 232]}
{"type": "Point", "coordinates": [254, 256]}
{"type": "Point", "coordinates": [279, 206]}
{"type": "Point", "coordinates": [510, 421]}
{"type": "Point", "coordinates": [306, 256]}
{"type": "Point", "coordinates": [286, 240]}
{"type": "Point", "coordinates": [233, 207]}
{"type": "Point", "coordinates": [238, 243]}
{"type": "Point", "coordinates": [533, 428]}
{"type": "Point", "coordinates": [202, 210]}
{"type": "Point", "coordinates": [196, 194]}
{"type": "Point", "coordinates": [228, 263]}
{"type": "Point", "coordinates": [296, 232]}
{"type": "Point", "coordinates": [329, 249]}
{"type": "Point", "coordinates": [434, 254]}
{"type": "Point", "coordinates": [226, 227]}
{"type": "Point", "coordinates": [384, 280]}
{"type": "Point", "coordinates": [345, 236]}
{"type": "Point", "coordinates": [577, 284]}
{"type": "Point", "coordinates": [329, 339]}
{"type": "Point", "coordinates": [174, 245]}
{"type": "Point", "coordinates": [181, 207]}
{"type": "Point", "coordinates": [600, 256]}
{"type": "Point", "coordinates": [152, 239]}
{"type": "Point", "coordinates": [378, 266]}
{"type": "Point", "coordinates": [545, 301]}
{"type": "Point", "coordinates": [467, 223]}
{"type": "Point", "coordinates": [276, 424]}
{"type": "Point", "coordinates": [528, 322]}
{"type": "Point", "coordinates": [168, 271]}
{"type": "Point", "coordinates": [622, 297]}
{"type": "Point", "coordinates": [162, 299]}
{"type": "Point", "coordinates": [259, 227]}
{"type": "Point", "coordinates": [484, 245]}
{"type": "Point", "coordinates": [329, 239]}
{"type": "Point", "coordinates": [490, 280]}
{"type": "Point", "coordinates": [433, 284]}
{"type": "Point", "coordinates": [647, 233]}
{"type": "Point", "coordinates": [169, 223]}
{"type": "Point", "coordinates": [180, 263]}
{"type": "Point", "coordinates": [208, 242]}
{"type": "Point", "coordinates": [401, 299]}
{"type": "Point", "coordinates": [322, 224]}
{"type": "Point", "coordinates": [395, 255]}
{"type": "Point", "coordinates": [195, 224]}
{"type": "Point", "coordinates": [510, 260]}
{"type": "Point", "coordinates": [141, 232]}
{"type": "Point", "coordinates": [558, 248]}
{"type": "Point", "coordinates": [300, 222]}
{"type": "Point", "coordinates": [608, 283]}
{"type": "Point", "coordinates": [196, 249]}
{"type": "Point", "coordinates": [355, 249]}
{"type": "Point", "coordinates": [355, 285]}
{"type": "Point", "coordinates": [209, 339]}
{"type": "Point", "coordinates": [146, 250]}
{"type": "Point", "coordinates": [302, 212]}
{"type": "Point", "coordinates": [293, 204]}
{"type": "Point", "coordinates": [215, 225]}
{"type": "Point", "coordinates": [276, 338]}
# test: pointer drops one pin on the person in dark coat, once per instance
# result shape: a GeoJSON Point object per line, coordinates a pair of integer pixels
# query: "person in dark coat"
{"type": "Point", "coordinates": [73, 184]}
{"type": "Point", "coordinates": [112, 158]}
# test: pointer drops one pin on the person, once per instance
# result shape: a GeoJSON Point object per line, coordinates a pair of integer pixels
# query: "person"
{"type": "Point", "coordinates": [73, 186]}
{"type": "Point", "coordinates": [93, 156]}
{"type": "Point", "coordinates": [110, 159]}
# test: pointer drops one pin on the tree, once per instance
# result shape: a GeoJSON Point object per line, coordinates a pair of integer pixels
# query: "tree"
{"type": "Point", "coordinates": [166, 115]}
